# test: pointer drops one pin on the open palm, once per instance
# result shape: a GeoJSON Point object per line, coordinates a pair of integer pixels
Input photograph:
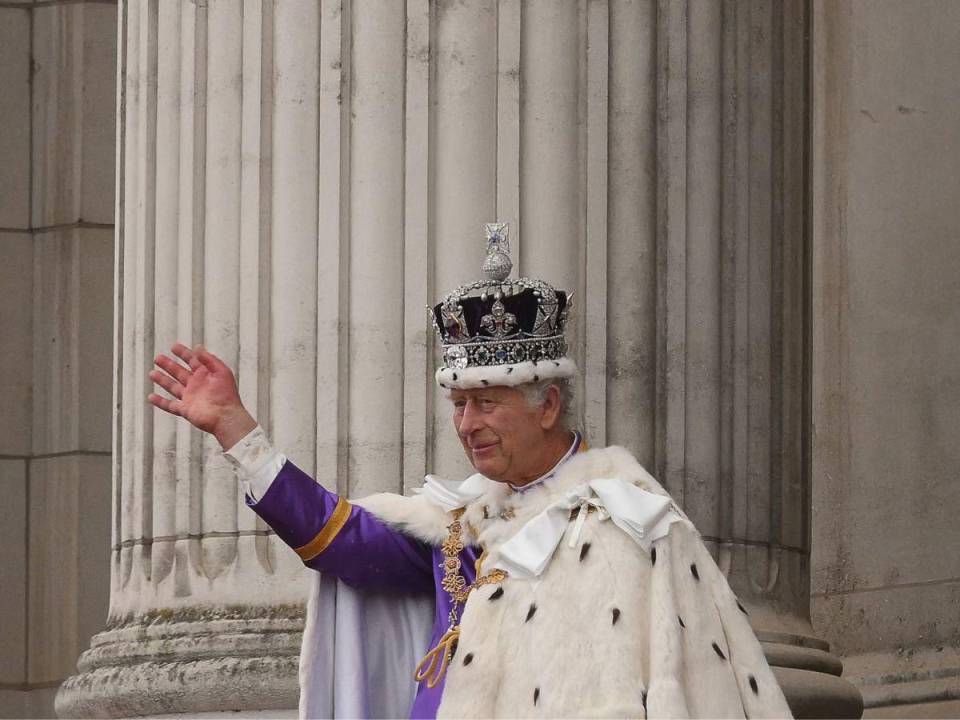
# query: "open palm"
{"type": "Point", "coordinates": [204, 392]}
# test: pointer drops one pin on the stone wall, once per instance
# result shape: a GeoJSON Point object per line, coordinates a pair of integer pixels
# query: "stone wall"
{"type": "Point", "coordinates": [57, 100]}
{"type": "Point", "coordinates": [886, 400]}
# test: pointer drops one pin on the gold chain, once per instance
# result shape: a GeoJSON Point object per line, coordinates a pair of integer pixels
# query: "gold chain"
{"type": "Point", "coordinates": [434, 664]}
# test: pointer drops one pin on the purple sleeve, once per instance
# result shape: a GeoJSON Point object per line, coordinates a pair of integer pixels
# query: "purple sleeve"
{"type": "Point", "coordinates": [356, 547]}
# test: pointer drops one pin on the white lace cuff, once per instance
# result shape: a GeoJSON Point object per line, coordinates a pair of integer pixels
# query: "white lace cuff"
{"type": "Point", "coordinates": [257, 462]}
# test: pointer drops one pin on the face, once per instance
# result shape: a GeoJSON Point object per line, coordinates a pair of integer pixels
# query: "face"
{"type": "Point", "coordinates": [501, 434]}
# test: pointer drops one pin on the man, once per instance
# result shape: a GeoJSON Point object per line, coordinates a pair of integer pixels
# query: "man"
{"type": "Point", "coordinates": [566, 581]}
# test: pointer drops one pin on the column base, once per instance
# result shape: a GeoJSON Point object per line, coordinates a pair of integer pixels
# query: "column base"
{"type": "Point", "coordinates": [809, 676]}
{"type": "Point", "coordinates": [191, 661]}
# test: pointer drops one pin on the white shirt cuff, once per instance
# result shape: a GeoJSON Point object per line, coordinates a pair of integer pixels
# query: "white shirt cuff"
{"type": "Point", "coordinates": [257, 462]}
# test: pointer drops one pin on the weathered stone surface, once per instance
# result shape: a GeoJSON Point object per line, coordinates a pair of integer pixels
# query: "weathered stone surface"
{"type": "Point", "coordinates": [16, 325]}
{"type": "Point", "coordinates": [15, 111]}
{"type": "Point", "coordinates": [73, 94]}
{"type": "Point", "coordinates": [189, 662]}
{"type": "Point", "coordinates": [69, 570]}
{"type": "Point", "coordinates": [72, 340]}
{"type": "Point", "coordinates": [886, 400]}
{"type": "Point", "coordinates": [13, 571]}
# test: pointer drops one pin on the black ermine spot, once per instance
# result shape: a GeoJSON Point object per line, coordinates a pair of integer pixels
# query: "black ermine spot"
{"type": "Point", "coordinates": [556, 363]}
{"type": "Point", "coordinates": [536, 695]}
{"type": "Point", "coordinates": [496, 594]}
{"type": "Point", "coordinates": [616, 615]}
{"type": "Point", "coordinates": [531, 612]}
{"type": "Point", "coordinates": [584, 549]}
{"type": "Point", "coordinates": [682, 623]}
{"type": "Point", "coordinates": [742, 608]}
{"type": "Point", "coordinates": [536, 378]}
{"type": "Point", "coordinates": [718, 651]}
{"type": "Point", "coordinates": [753, 685]}
{"type": "Point", "coordinates": [509, 370]}
{"type": "Point", "coordinates": [653, 556]}
{"type": "Point", "coordinates": [468, 658]}
{"type": "Point", "coordinates": [484, 381]}
{"type": "Point", "coordinates": [454, 377]}
{"type": "Point", "coordinates": [643, 699]}
{"type": "Point", "coordinates": [693, 569]}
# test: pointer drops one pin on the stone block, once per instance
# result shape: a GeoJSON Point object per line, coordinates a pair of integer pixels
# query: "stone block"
{"type": "Point", "coordinates": [69, 578]}
{"type": "Point", "coordinates": [38, 702]}
{"type": "Point", "coordinates": [98, 175]}
{"type": "Point", "coordinates": [32, 703]}
{"type": "Point", "coordinates": [15, 111]}
{"type": "Point", "coordinates": [95, 338]}
{"type": "Point", "coordinates": [16, 377]}
{"type": "Point", "coordinates": [897, 619]}
{"type": "Point", "coordinates": [57, 117]}
{"type": "Point", "coordinates": [55, 330]}
{"type": "Point", "coordinates": [13, 573]}
{"type": "Point", "coordinates": [54, 522]}
{"type": "Point", "coordinates": [73, 346]}
{"type": "Point", "coordinates": [12, 704]}
{"type": "Point", "coordinates": [74, 113]}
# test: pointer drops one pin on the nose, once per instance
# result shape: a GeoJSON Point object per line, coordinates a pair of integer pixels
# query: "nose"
{"type": "Point", "coordinates": [470, 420]}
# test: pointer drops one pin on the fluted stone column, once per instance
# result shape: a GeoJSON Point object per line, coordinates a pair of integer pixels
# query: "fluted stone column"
{"type": "Point", "coordinates": [205, 610]}
{"type": "Point", "coordinates": [300, 179]}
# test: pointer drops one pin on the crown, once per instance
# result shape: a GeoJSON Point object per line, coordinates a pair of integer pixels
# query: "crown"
{"type": "Point", "coordinates": [500, 331]}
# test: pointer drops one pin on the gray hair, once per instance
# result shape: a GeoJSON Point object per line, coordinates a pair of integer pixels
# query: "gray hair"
{"type": "Point", "coordinates": [535, 394]}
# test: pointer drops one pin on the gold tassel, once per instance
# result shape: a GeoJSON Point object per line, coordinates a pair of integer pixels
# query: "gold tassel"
{"type": "Point", "coordinates": [436, 660]}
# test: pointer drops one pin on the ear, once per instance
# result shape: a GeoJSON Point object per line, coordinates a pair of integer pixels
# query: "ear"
{"type": "Point", "coordinates": [550, 410]}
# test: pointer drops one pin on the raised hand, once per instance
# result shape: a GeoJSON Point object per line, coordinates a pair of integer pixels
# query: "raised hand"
{"type": "Point", "coordinates": [204, 392]}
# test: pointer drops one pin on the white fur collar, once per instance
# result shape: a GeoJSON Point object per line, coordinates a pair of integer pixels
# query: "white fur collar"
{"type": "Point", "coordinates": [499, 512]}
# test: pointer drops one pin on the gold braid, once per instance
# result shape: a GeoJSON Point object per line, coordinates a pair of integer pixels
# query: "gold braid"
{"type": "Point", "coordinates": [434, 664]}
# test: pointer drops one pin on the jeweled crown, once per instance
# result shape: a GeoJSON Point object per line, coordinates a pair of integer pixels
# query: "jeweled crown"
{"type": "Point", "coordinates": [499, 321]}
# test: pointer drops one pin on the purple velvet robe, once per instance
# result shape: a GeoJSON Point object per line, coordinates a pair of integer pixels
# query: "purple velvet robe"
{"type": "Point", "coordinates": [366, 554]}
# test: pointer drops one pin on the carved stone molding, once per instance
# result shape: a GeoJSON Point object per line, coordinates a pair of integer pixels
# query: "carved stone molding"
{"type": "Point", "coordinates": [189, 662]}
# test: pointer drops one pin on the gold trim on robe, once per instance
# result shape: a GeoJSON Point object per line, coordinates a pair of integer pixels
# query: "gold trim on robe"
{"type": "Point", "coordinates": [329, 531]}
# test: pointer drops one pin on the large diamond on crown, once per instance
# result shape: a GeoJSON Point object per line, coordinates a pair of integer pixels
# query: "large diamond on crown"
{"type": "Point", "coordinates": [456, 356]}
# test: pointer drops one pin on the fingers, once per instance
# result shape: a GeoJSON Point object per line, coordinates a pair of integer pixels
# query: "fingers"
{"type": "Point", "coordinates": [196, 358]}
{"type": "Point", "coordinates": [209, 360]}
{"type": "Point", "coordinates": [187, 355]}
{"type": "Point", "coordinates": [165, 404]}
{"type": "Point", "coordinates": [172, 368]}
{"type": "Point", "coordinates": [167, 383]}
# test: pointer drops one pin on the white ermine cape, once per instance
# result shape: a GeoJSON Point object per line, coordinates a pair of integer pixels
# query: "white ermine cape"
{"type": "Point", "coordinates": [627, 616]}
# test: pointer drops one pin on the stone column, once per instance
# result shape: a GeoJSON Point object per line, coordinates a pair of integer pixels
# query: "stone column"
{"type": "Point", "coordinates": [300, 179]}
{"type": "Point", "coordinates": [218, 110]}
{"type": "Point", "coordinates": [708, 299]}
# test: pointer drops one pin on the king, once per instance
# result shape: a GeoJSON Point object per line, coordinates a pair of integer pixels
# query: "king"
{"type": "Point", "coordinates": [565, 581]}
